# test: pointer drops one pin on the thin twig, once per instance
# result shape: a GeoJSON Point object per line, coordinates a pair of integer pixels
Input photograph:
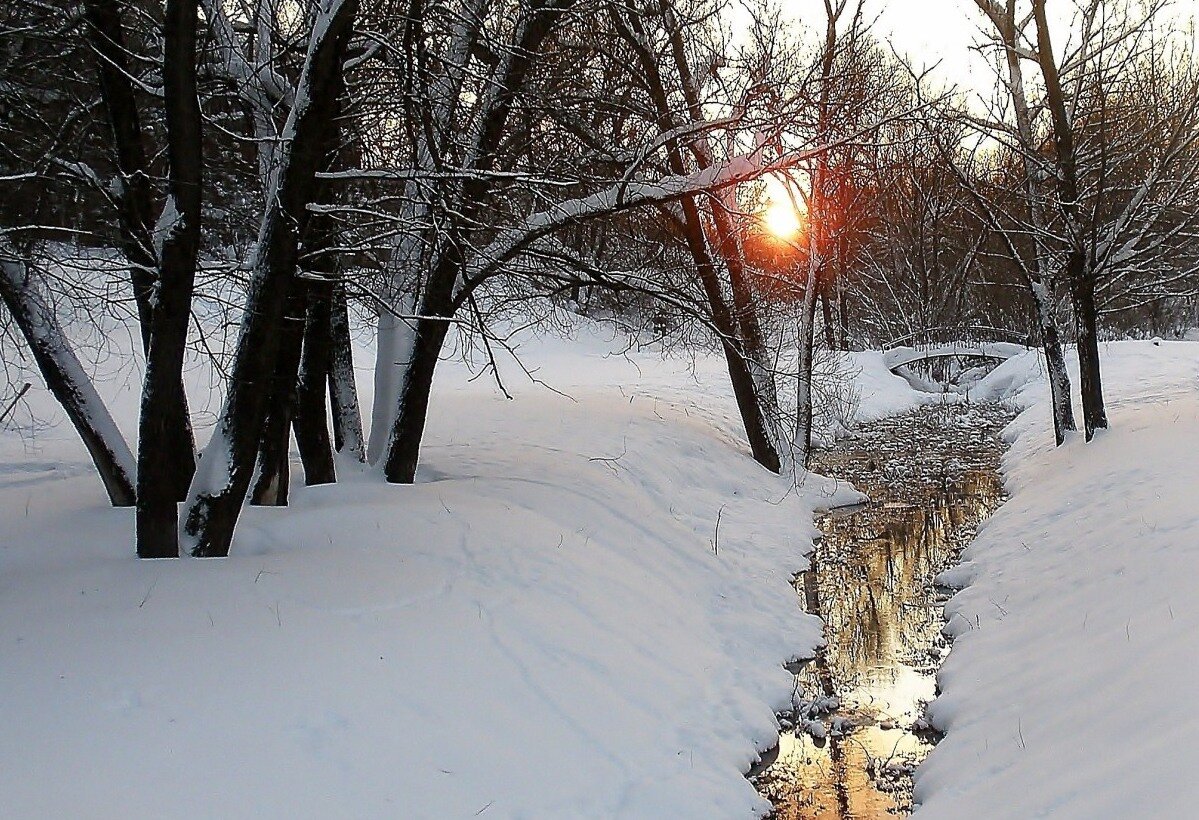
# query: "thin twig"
{"type": "Point", "coordinates": [11, 405]}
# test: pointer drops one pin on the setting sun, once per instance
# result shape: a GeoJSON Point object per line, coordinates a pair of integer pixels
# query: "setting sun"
{"type": "Point", "coordinates": [780, 219]}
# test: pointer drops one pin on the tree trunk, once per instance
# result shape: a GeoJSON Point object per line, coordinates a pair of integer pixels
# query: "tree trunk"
{"type": "Point", "coordinates": [1039, 283]}
{"type": "Point", "coordinates": [739, 330]}
{"type": "Point", "coordinates": [1081, 283]}
{"type": "Point", "coordinates": [66, 378]}
{"type": "Point", "coordinates": [343, 391]}
{"type": "Point", "coordinates": [403, 447]}
{"type": "Point", "coordinates": [749, 371]}
{"type": "Point", "coordinates": [802, 442]}
{"type": "Point", "coordinates": [274, 463]}
{"type": "Point", "coordinates": [842, 304]}
{"type": "Point", "coordinates": [403, 452]}
{"type": "Point", "coordinates": [165, 459]}
{"type": "Point", "coordinates": [745, 389]}
{"type": "Point", "coordinates": [826, 309]}
{"type": "Point", "coordinates": [1055, 362]}
{"type": "Point", "coordinates": [761, 445]}
{"type": "Point", "coordinates": [225, 471]}
{"type": "Point", "coordinates": [1094, 414]}
{"type": "Point", "coordinates": [311, 420]}
{"type": "Point", "coordinates": [135, 199]}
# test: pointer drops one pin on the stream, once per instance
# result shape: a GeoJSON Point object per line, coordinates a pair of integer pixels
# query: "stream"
{"type": "Point", "coordinates": [856, 731]}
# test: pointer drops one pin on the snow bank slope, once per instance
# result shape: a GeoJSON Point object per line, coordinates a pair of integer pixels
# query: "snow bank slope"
{"type": "Point", "coordinates": [1068, 691]}
{"type": "Point", "coordinates": [547, 625]}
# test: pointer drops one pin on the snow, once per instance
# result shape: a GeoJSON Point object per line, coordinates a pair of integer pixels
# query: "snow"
{"type": "Point", "coordinates": [46, 334]}
{"type": "Point", "coordinates": [900, 356]}
{"type": "Point", "coordinates": [881, 393]}
{"type": "Point", "coordinates": [582, 607]}
{"type": "Point", "coordinates": [550, 623]}
{"type": "Point", "coordinates": [1067, 693]}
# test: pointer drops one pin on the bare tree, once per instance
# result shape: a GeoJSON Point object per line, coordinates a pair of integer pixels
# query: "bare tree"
{"type": "Point", "coordinates": [1008, 37]}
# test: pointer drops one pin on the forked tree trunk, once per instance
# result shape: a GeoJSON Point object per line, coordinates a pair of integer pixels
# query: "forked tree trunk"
{"type": "Point", "coordinates": [741, 338]}
{"type": "Point", "coordinates": [1081, 283]}
{"type": "Point", "coordinates": [533, 25]}
{"type": "Point", "coordinates": [165, 461]}
{"type": "Point", "coordinates": [225, 471]}
{"type": "Point", "coordinates": [309, 418]}
{"type": "Point", "coordinates": [1039, 284]}
{"type": "Point", "coordinates": [66, 378]}
{"type": "Point", "coordinates": [135, 207]}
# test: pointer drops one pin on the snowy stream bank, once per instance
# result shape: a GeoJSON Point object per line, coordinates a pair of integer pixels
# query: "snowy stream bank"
{"type": "Point", "coordinates": [548, 625]}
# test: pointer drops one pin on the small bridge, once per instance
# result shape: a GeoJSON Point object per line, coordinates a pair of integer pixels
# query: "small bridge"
{"type": "Point", "coordinates": [944, 352]}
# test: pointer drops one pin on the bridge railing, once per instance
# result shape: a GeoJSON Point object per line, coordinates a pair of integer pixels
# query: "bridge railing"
{"type": "Point", "coordinates": [964, 334]}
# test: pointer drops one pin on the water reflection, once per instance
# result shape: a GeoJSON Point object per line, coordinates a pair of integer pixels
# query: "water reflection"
{"type": "Point", "coordinates": [932, 476]}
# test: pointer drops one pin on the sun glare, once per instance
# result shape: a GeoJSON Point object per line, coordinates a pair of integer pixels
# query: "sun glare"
{"type": "Point", "coordinates": [780, 219]}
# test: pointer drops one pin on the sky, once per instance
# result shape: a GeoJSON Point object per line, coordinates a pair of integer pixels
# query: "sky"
{"type": "Point", "coordinates": [941, 32]}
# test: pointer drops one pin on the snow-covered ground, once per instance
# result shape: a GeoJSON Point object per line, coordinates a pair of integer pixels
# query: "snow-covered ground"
{"type": "Point", "coordinates": [1069, 690]}
{"type": "Point", "coordinates": [581, 610]}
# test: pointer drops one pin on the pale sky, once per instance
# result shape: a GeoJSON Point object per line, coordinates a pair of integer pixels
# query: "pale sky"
{"type": "Point", "coordinates": [942, 31]}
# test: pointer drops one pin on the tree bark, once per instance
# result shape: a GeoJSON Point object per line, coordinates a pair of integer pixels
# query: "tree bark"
{"type": "Point", "coordinates": [311, 420]}
{"type": "Point", "coordinates": [274, 463]}
{"type": "Point", "coordinates": [66, 378]}
{"type": "Point", "coordinates": [753, 383]}
{"type": "Point", "coordinates": [165, 460]}
{"type": "Point", "coordinates": [1094, 414]}
{"type": "Point", "coordinates": [225, 471]}
{"type": "Point", "coordinates": [1079, 275]}
{"type": "Point", "coordinates": [1055, 363]}
{"type": "Point", "coordinates": [826, 310]}
{"type": "Point", "coordinates": [802, 442]}
{"type": "Point", "coordinates": [737, 325]}
{"type": "Point", "coordinates": [745, 390]}
{"type": "Point", "coordinates": [1039, 281]}
{"type": "Point", "coordinates": [403, 450]}
{"type": "Point", "coordinates": [437, 304]}
{"type": "Point", "coordinates": [343, 391]}
{"type": "Point", "coordinates": [135, 199]}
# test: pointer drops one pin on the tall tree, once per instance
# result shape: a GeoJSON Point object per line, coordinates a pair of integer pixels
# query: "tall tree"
{"type": "Point", "coordinates": [226, 467]}
{"type": "Point", "coordinates": [162, 468]}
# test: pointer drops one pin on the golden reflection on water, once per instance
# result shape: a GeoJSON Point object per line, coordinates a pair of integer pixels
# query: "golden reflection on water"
{"type": "Point", "coordinates": [932, 476]}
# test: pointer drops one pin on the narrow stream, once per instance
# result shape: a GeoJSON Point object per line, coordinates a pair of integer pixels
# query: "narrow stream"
{"type": "Point", "coordinates": [857, 731]}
